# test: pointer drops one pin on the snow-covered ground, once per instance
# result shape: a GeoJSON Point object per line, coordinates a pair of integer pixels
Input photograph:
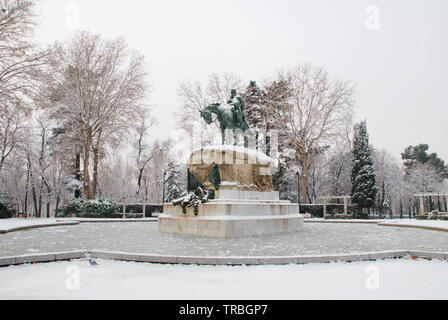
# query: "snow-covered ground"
{"type": "Point", "coordinates": [77, 279]}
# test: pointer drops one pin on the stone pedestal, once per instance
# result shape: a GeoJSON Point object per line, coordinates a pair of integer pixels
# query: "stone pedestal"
{"type": "Point", "coordinates": [245, 203]}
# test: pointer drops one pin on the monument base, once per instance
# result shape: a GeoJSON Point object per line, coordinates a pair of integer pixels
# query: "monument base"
{"type": "Point", "coordinates": [251, 213]}
{"type": "Point", "coordinates": [230, 227]}
{"type": "Point", "coordinates": [245, 202]}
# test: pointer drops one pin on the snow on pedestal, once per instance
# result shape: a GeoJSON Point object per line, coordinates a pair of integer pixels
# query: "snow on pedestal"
{"type": "Point", "coordinates": [245, 203]}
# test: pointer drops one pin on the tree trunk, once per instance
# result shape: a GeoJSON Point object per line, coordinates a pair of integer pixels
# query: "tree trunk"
{"type": "Point", "coordinates": [39, 204]}
{"type": "Point", "coordinates": [58, 199]}
{"type": "Point", "coordinates": [77, 173]}
{"type": "Point", "coordinates": [34, 196]}
{"type": "Point", "coordinates": [86, 182]}
{"type": "Point", "coordinates": [2, 159]}
{"type": "Point", "coordinates": [95, 149]}
{"type": "Point", "coordinates": [48, 197]}
{"type": "Point", "coordinates": [139, 180]}
{"type": "Point", "coordinates": [25, 204]}
{"type": "Point", "coordinates": [33, 188]}
{"type": "Point", "coordinates": [95, 172]}
{"type": "Point", "coordinates": [305, 177]}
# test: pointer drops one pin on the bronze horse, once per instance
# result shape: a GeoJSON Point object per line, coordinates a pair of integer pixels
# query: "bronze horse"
{"type": "Point", "coordinates": [225, 114]}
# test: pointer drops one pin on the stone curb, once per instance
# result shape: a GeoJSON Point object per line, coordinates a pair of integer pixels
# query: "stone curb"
{"type": "Point", "coordinates": [99, 220]}
{"type": "Point", "coordinates": [74, 222]}
{"type": "Point", "coordinates": [42, 225]}
{"type": "Point", "coordinates": [428, 255]}
{"type": "Point", "coordinates": [42, 257]}
{"type": "Point", "coordinates": [340, 221]}
{"type": "Point", "coordinates": [210, 260]}
{"type": "Point", "coordinates": [385, 224]}
{"type": "Point", "coordinates": [379, 223]}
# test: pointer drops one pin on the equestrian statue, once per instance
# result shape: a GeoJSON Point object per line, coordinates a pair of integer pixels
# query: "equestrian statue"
{"type": "Point", "coordinates": [229, 115]}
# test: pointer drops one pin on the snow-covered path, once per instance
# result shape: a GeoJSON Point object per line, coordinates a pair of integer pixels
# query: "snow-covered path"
{"type": "Point", "coordinates": [387, 279]}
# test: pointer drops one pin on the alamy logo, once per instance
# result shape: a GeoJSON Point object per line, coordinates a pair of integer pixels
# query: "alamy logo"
{"type": "Point", "coordinates": [373, 277]}
{"type": "Point", "coordinates": [72, 21]}
{"type": "Point", "coordinates": [72, 280]}
{"type": "Point", "coordinates": [373, 17]}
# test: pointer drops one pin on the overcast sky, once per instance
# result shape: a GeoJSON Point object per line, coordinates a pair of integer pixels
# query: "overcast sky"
{"type": "Point", "coordinates": [395, 51]}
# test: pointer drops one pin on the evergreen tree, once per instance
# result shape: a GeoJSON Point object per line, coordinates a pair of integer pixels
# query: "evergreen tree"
{"type": "Point", "coordinates": [173, 182]}
{"type": "Point", "coordinates": [414, 156]}
{"type": "Point", "coordinates": [364, 187]}
{"type": "Point", "coordinates": [6, 207]}
{"type": "Point", "coordinates": [255, 110]}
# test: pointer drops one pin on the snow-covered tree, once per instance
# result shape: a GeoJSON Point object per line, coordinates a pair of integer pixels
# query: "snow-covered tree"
{"type": "Point", "coordinates": [20, 64]}
{"type": "Point", "coordinates": [116, 182]}
{"type": "Point", "coordinates": [424, 173]}
{"type": "Point", "coordinates": [389, 179]}
{"type": "Point", "coordinates": [285, 180]}
{"type": "Point", "coordinates": [364, 187]}
{"type": "Point", "coordinates": [339, 173]}
{"type": "Point", "coordinates": [424, 178]}
{"type": "Point", "coordinates": [97, 86]}
{"type": "Point", "coordinates": [12, 130]}
{"type": "Point", "coordinates": [311, 113]}
{"type": "Point", "coordinates": [173, 184]}
{"type": "Point", "coordinates": [317, 171]}
{"type": "Point", "coordinates": [418, 155]}
{"type": "Point", "coordinates": [143, 152]}
{"type": "Point", "coordinates": [256, 111]}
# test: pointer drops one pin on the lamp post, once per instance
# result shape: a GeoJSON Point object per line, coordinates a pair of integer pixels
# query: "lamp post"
{"type": "Point", "coordinates": [163, 187]}
{"type": "Point", "coordinates": [298, 187]}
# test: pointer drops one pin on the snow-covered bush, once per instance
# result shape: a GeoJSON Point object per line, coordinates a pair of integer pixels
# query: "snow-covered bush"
{"type": "Point", "coordinates": [91, 209]}
{"type": "Point", "coordinates": [436, 215]}
{"type": "Point", "coordinates": [6, 207]}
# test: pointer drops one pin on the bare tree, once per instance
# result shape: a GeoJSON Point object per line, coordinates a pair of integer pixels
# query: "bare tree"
{"type": "Point", "coordinates": [20, 59]}
{"type": "Point", "coordinates": [98, 87]}
{"type": "Point", "coordinates": [143, 152]}
{"type": "Point", "coordinates": [115, 181]}
{"type": "Point", "coordinates": [20, 65]}
{"type": "Point", "coordinates": [12, 130]}
{"type": "Point", "coordinates": [424, 178]}
{"type": "Point", "coordinates": [339, 173]}
{"type": "Point", "coordinates": [389, 178]}
{"type": "Point", "coordinates": [312, 113]}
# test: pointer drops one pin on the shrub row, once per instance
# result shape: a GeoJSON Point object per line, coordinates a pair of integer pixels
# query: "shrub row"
{"type": "Point", "coordinates": [6, 207]}
{"type": "Point", "coordinates": [105, 209]}
{"type": "Point", "coordinates": [435, 215]}
{"type": "Point", "coordinates": [91, 209]}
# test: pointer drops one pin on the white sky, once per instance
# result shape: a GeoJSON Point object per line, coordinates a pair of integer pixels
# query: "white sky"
{"type": "Point", "coordinates": [400, 69]}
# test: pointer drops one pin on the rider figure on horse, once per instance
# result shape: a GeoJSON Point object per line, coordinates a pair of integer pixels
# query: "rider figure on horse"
{"type": "Point", "coordinates": [238, 105]}
{"type": "Point", "coordinates": [230, 116]}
